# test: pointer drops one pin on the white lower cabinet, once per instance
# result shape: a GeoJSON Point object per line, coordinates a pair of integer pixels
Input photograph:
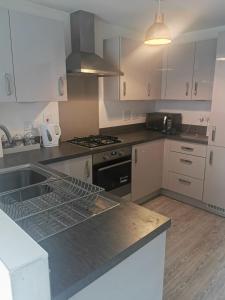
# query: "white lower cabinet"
{"type": "Point", "coordinates": [80, 168]}
{"type": "Point", "coordinates": [139, 276]}
{"type": "Point", "coordinates": [214, 190]}
{"type": "Point", "coordinates": [147, 166]}
{"type": "Point", "coordinates": [185, 185]}
{"type": "Point", "coordinates": [184, 168]}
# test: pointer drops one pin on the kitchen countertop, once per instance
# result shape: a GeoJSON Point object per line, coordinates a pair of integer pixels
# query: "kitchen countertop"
{"type": "Point", "coordinates": [84, 252]}
{"type": "Point", "coordinates": [69, 151]}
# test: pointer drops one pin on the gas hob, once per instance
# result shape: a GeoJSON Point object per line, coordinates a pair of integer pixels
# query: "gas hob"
{"type": "Point", "coordinates": [94, 141]}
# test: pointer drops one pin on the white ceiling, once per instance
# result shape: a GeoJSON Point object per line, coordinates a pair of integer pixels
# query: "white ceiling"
{"type": "Point", "coordinates": [181, 15]}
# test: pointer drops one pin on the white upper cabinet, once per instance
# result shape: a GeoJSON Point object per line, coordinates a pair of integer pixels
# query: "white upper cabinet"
{"type": "Point", "coordinates": [39, 58]}
{"type": "Point", "coordinates": [217, 118]}
{"type": "Point", "coordinates": [7, 87]}
{"type": "Point", "coordinates": [179, 72]}
{"type": "Point", "coordinates": [141, 66]}
{"type": "Point", "coordinates": [204, 69]}
{"type": "Point", "coordinates": [189, 71]}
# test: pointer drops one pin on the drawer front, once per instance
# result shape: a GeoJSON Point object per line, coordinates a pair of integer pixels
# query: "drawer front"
{"type": "Point", "coordinates": [188, 165]}
{"type": "Point", "coordinates": [185, 185]}
{"type": "Point", "coordinates": [188, 148]}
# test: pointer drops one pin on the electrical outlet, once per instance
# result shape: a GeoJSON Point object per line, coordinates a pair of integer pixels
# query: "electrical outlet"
{"type": "Point", "coordinates": [47, 117]}
{"type": "Point", "coordinates": [127, 115]}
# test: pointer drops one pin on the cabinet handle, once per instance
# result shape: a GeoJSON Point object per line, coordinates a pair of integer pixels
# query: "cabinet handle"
{"type": "Point", "coordinates": [186, 161]}
{"type": "Point", "coordinates": [8, 84]}
{"type": "Point", "coordinates": [187, 148]}
{"type": "Point", "coordinates": [135, 156]}
{"type": "Point", "coordinates": [196, 88]}
{"type": "Point", "coordinates": [124, 88]}
{"type": "Point", "coordinates": [184, 181]}
{"type": "Point", "coordinates": [61, 86]}
{"type": "Point", "coordinates": [149, 89]}
{"type": "Point", "coordinates": [87, 168]}
{"type": "Point", "coordinates": [213, 133]}
{"type": "Point", "coordinates": [211, 158]}
{"type": "Point", "coordinates": [187, 88]}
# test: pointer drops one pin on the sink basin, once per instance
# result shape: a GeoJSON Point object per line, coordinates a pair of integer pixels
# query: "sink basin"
{"type": "Point", "coordinates": [44, 203]}
{"type": "Point", "coordinates": [16, 178]}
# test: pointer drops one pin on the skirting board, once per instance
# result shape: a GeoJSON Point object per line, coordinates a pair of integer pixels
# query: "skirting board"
{"type": "Point", "coordinates": [191, 201]}
{"type": "Point", "coordinates": [181, 198]}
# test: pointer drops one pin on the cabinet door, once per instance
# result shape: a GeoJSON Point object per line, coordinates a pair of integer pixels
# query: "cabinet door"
{"type": "Point", "coordinates": [80, 168]}
{"type": "Point", "coordinates": [180, 64]}
{"type": "Point", "coordinates": [39, 58]}
{"type": "Point", "coordinates": [133, 60]}
{"type": "Point", "coordinates": [214, 190]}
{"type": "Point", "coordinates": [154, 72]}
{"type": "Point", "coordinates": [217, 118]}
{"type": "Point", "coordinates": [147, 163]}
{"type": "Point", "coordinates": [7, 88]}
{"type": "Point", "coordinates": [204, 69]}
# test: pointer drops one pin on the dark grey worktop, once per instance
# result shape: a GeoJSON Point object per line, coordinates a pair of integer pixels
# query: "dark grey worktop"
{"type": "Point", "coordinates": [68, 151]}
{"type": "Point", "coordinates": [81, 254]}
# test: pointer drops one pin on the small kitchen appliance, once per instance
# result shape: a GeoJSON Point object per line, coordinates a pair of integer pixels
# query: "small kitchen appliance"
{"type": "Point", "coordinates": [50, 134]}
{"type": "Point", "coordinates": [167, 123]}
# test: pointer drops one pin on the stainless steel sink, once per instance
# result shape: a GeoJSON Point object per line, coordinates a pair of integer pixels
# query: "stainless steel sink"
{"type": "Point", "coordinates": [20, 177]}
{"type": "Point", "coordinates": [44, 203]}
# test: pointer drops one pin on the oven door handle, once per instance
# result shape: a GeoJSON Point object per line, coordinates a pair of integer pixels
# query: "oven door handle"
{"type": "Point", "coordinates": [115, 165]}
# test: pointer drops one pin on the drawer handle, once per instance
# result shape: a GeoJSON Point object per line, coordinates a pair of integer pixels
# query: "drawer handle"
{"type": "Point", "coordinates": [135, 156]}
{"type": "Point", "coordinates": [124, 88]}
{"type": "Point", "coordinates": [196, 88]}
{"type": "Point", "coordinates": [211, 158]}
{"type": "Point", "coordinates": [61, 86]}
{"type": "Point", "coordinates": [186, 182]}
{"type": "Point", "coordinates": [149, 89]}
{"type": "Point", "coordinates": [187, 88]}
{"type": "Point", "coordinates": [8, 84]}
{"type": "Point", "coordinates": [187, 149]}
{"type": "Point", "coordinates": [213, 133]}
{"type": "Point", "coordinates": [186, 161]}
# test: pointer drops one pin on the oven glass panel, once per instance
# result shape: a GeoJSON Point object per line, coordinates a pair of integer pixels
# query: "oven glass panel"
{"type": "Point", "coordinates": [113, 176]}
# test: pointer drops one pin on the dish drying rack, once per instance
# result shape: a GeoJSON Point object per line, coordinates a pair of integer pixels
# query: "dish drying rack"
{"type": "Point", "coordinates": [48, 208]}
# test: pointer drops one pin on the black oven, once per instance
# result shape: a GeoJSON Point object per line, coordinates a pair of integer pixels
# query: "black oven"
{"type": "Point", "coordinates": [112, 171]}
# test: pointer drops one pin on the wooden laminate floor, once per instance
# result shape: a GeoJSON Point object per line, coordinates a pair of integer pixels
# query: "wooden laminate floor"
{"type": "Point", "coordinates": [195, 252]}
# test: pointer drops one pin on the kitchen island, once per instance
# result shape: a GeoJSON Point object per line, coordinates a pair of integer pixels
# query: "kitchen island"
{"type": "Point", "coordinates": [119, 254]}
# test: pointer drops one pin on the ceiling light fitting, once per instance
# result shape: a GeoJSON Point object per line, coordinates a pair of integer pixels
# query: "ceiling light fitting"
{"type": "Point", "coordinates": [158, 33]}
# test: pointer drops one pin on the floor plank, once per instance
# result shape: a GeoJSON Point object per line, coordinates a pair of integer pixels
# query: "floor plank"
{"type": "Point", "coordinates": [195, 252]}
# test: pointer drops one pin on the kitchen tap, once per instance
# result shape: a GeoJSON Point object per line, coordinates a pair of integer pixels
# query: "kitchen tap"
{"type": "Point", "coordinates": [7, 133]}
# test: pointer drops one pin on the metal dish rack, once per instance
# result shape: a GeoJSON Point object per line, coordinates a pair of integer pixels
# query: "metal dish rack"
{"type": "Point", "coordinates": [51, 207]}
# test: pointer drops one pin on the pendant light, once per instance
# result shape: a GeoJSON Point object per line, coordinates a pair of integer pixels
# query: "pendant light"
{"type": "Point", "coordinates": [158, 33]}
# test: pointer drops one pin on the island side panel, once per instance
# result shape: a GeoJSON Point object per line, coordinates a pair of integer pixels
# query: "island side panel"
{"type": "Point", "coordinates": [140, 276]}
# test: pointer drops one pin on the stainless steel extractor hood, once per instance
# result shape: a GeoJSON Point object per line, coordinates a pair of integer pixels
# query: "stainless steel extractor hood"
{"type": "Point", "coordinates": [83, 59]}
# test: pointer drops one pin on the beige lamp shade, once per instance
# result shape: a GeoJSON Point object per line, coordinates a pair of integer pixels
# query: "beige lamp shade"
{"type": "Point", "coordinates": [158, 33]}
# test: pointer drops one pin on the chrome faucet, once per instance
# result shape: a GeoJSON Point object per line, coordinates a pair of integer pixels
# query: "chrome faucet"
{"type": "Point", "coordinates": [7, 133]}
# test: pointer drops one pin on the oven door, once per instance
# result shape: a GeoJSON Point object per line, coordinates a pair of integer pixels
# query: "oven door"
{"type": "Point", "coordinates": [114, 175]}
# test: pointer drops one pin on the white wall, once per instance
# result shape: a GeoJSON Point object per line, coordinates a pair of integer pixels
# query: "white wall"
{"type": "Point", "coordinates": [114, 113]}
{"type": "Point", "coordinates": [16, 116]}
